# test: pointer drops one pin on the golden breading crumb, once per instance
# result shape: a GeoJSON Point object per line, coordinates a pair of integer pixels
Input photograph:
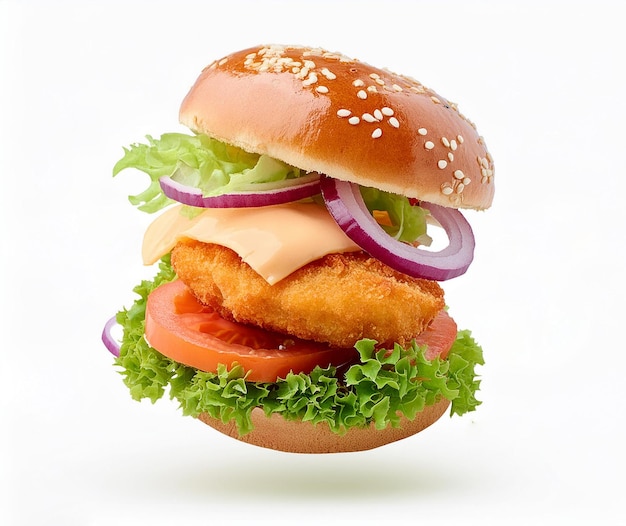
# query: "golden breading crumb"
{"type": "Point", "coordinates": [338, 299]}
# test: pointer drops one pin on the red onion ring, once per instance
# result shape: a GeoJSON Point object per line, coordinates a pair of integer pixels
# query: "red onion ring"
{"type": "Point", "coordinates": [344, 202]}
{"type": "Point", "coordinates": [109, 341]}
{"type": "Point", "coordinates": [283, 192]}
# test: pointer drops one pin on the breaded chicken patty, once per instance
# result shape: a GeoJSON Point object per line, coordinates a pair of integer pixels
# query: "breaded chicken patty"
{"type": "Point", "coordinates": [337, 299]}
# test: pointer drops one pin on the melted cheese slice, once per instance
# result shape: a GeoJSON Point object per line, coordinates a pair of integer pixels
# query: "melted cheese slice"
{"type": "Point", "coordinates": [274, 240]}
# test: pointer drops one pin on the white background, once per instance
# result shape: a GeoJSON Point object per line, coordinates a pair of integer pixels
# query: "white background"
{"type": "Point", "coordinates": [544, 83]}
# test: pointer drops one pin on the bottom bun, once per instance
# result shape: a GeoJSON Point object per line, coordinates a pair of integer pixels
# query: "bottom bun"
{"type": "Point", "coordinates": [295, 436]}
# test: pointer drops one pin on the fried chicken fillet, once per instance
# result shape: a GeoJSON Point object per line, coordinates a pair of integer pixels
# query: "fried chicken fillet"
{"type": "Point", "coordinates": [338, 299]}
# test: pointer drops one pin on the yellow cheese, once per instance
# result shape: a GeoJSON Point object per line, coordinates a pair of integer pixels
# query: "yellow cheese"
{"type": "Point", "coordinates": [274, 240]}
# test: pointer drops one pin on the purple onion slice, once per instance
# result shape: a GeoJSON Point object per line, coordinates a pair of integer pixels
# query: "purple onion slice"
{"type": "Point", "coordinates": [109, 341]}
{"type": "Point", "coordinates": [283, 192]}
{"type": "Point", "coordinates": [345, 203]}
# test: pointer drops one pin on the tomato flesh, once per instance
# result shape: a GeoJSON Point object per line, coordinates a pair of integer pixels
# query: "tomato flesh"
{"type": "Point", "coordinates": [188, 332]}
{"type": "Point", "coordinates": [439, 336]}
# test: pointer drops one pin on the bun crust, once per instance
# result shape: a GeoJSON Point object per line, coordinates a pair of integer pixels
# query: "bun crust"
{"type": "Point", "coordinates": [303, 437]}
{"type": "Point", "coordinates": [324, 112]}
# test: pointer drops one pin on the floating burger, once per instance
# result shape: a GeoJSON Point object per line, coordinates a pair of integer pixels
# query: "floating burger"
{"type": "Point", "coordinates": [297, 303]}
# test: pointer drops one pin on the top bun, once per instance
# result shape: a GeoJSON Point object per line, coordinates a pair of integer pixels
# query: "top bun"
{"type": "Point", "coordinates": [324, 112]}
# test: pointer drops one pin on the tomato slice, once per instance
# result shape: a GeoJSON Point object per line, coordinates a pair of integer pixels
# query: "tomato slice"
{"type": "Point", "coordinates": [439, 336]}
{"type": "Point", "coordinates": [186, 331]}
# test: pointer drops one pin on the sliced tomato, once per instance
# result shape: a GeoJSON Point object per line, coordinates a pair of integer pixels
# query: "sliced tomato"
{"type": "Point", "coordinates": [186, 331]}
{"type": "Point", "coordinates": [439, 336]}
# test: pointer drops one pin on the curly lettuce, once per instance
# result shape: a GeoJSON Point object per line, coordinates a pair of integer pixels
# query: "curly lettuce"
{"type": "Point", "coordinates": [382, 386]}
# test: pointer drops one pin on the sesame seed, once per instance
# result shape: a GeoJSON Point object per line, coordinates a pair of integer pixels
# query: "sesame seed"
{"type": "Point", "coordinates": [397, 88]}
{"type": "Point", "coordinates": [321, 89]}
{"type": "Point", "coordinates": [311, 79]}
{"type": "Point", "coordinates": [450, 156]}
{"type": "Point", "coordinates": [388, 112]}
{"type": "Point", "coordinates": [374, 76]}
{"type": "Point", "coordinates": [466, 181]}
{"type": "Point", "coordinates": [394, 122]}
{"type": "Point", "coordinates": [442, 164]}
{"type": "Point", "coordinates": [460, 139]}
{"type": "Point", "coordinates": [435, 99]}
{"type": "Point", "coordinates": [429, 145]}
{"type": "Point", "coordinates": [378, 114]}
{"type": "Point", "coordinates": [423, 131]}
{"type": "Point", "coordinates": [343, 113]}
{"type": "Point", "coordinates": [309, 64]}
{"type": "Point", "coordinates": [453, 144]}
{"type": "Point", "coordinates": [445, 142]}
{"type": "Point", "coordinates": [446, 189]}
{"type": "Point", "coordinates": [223, 61]}
{"type": "Point", "coordinates": [487, 175]}
{"type": "Point", "coordinates": [362, 94]}
{"type": "Point", "coordinates": [372, 89]}
{"type": "Point", "coordinates": [328, 74]}
{"type": "Point", "coordinates": [358, 83]}
{"type": "Point", "coordinates": [377, 133]}
{"type": "Point", "coordinates": [379, 81]}
{"type": "Point", "coordinates": [354, 120]}
{"type": "Point", "coordinates": [458, 174]}
{"type": "Point", "coordinates": [369, 118]}
{"type": "Point", "coordinates": [459, 188]}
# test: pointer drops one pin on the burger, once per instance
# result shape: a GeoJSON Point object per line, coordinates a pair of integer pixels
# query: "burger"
{"type": "Point", "coordinates": [305, 224]}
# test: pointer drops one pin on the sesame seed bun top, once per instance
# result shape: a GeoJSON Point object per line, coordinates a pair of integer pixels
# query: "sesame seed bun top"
{"type": "Point", "coordinates": [324, 112]}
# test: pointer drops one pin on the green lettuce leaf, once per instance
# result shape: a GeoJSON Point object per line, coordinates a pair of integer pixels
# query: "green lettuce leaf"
{"type": "Point", "coordinates": [198, 161]}
{"type": "Point", "coordinates": [383, 386]}
{"type": "Point", "coordinates": [146, 372]}
{"type": "Point", "coordinates": [216, 168]}
{"type": "Point", "coordinates": [408, 221]}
